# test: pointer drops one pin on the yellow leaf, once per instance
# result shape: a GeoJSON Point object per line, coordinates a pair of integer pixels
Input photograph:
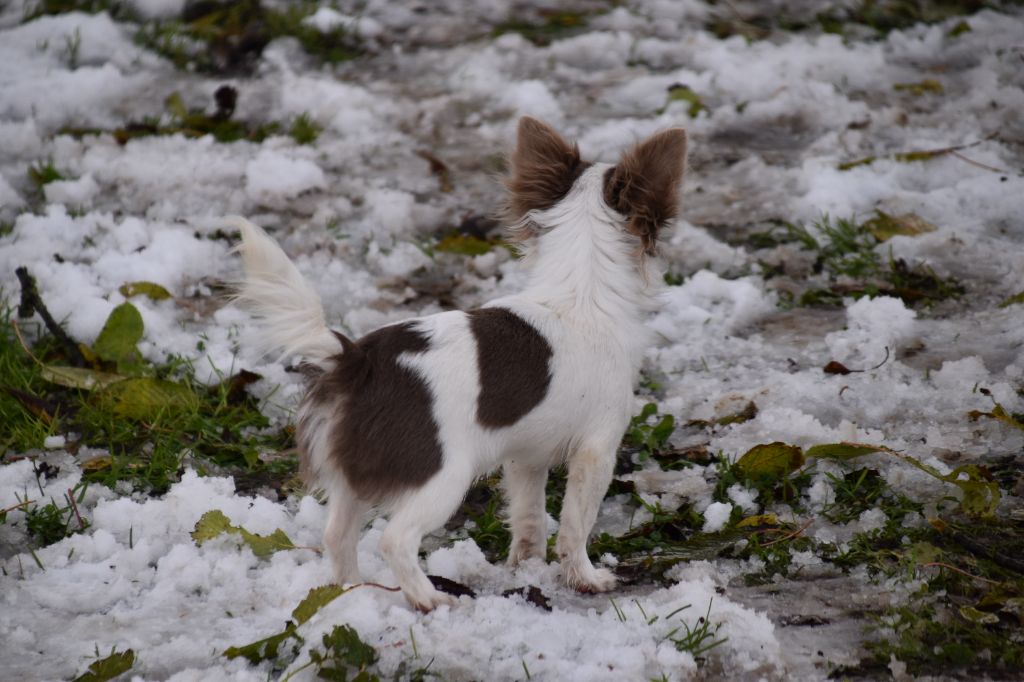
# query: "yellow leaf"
{"type": "Point", "coordinates": [758, 520]}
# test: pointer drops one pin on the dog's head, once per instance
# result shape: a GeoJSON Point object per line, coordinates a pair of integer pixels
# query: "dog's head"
{"type": "Point", "coordinates": [643, 186]}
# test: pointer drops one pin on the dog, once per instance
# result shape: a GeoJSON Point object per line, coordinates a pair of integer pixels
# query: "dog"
{"type": "Point", "coordinates": [405, 418]}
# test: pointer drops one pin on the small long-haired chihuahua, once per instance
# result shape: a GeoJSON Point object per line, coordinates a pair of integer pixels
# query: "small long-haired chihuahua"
{"type": "Point", "coordinates": [405, 418]}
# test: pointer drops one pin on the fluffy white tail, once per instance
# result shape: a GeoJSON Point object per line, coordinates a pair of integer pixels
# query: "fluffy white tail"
{"type": "Point", "coordinates": [276, 292]}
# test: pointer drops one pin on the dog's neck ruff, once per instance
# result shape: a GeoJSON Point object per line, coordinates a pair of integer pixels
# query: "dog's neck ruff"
{"type": "Point", "coordinates": [586, 268]}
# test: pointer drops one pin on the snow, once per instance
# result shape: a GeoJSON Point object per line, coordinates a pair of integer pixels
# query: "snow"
{"type": "Point", "coordinates": [273, 176]}
{"type": "Point", "coordinates": [124, 582]}
{"type": "Point", "coordinates": [358, 210]}
{"type": "Point", "coordinates": [716, 516]}
{"type": "Point", "coordinates": [872, 325]}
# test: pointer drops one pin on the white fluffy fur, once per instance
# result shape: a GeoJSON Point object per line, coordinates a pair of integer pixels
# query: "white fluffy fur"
{"type": "Point", "coordinates": [587, 296]}
{"type": "Point", "coordinates": [276, 292]}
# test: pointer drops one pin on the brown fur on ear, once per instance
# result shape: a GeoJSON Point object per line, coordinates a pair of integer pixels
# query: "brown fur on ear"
{"type": "Point", "coordinates": [644, 186]}
{"type": "Point", "coordinates": [544, 168]}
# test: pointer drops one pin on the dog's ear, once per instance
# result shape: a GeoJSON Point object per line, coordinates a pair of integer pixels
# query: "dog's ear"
{"type": "Point", "coordinates": [644, 185]}
{"type": "Point", "coordinates": [544, 167]}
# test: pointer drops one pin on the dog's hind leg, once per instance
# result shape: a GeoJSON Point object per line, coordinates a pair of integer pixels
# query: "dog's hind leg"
{"type": "Point", "coordinates": [524, 485]}
{"type": "Point", "coordinates": [416, 513]}
{"type": "Point", "coordinates": [590, 472]}
{"type": "Point", "coordinates": [346, 514]}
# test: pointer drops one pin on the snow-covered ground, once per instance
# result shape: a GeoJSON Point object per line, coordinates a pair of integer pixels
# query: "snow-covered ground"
{"type": "Point", "coordinates": [358, 209]}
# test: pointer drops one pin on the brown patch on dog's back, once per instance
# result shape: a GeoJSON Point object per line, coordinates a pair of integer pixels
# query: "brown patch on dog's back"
{"type": "Point", "coordinates": [544, 168]}
{"type": "Point", "coordinates": [644, 185]}
{"type": "Point", "coordinates": [383, 434]}
{"type": "Point", "coordinates": [513, 360]}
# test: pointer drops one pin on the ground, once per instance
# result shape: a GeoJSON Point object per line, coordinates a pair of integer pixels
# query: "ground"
{"type": "Point", "coordinates": [824, 477]}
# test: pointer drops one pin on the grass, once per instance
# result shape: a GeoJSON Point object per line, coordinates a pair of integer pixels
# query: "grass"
{"type": "Point", "coordinates": [304, 129]}
{"type": "Point", "coordinates": [42, 173]}
{"type": "Point", "coordinates": [195, 122]}
{"type": "Point", "coordinates": [217, 428]}
{"type": "Point", "coordinates": [488, 529]}
{"type": "Point", "coordinates": [864, 18]}
{"type": "Point", "coordinates": [847, 258]}
{"type": "Point", "coordinates": [229, 37]}
{"type": "Point", "coordinates": [52, 522]}
{"type": "Point", "coordinates": [117, 9]}
{"type": "Point", "coordinates": [549, 25]}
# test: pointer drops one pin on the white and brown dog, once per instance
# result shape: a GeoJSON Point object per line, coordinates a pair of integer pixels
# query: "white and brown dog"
{"type": "Point", "coordinates": [407, 417]}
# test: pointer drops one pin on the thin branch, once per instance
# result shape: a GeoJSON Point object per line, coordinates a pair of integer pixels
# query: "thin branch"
{"type": "Point", "coordinates": [74, 506]}
{"type": "Point", "coordinates": [377, 585]}
{"type": "Point", "coordinates": [792, 535]}
{"type": "Point", "coordinates": [979, 164]}
{"type": "Point", "coordinates": [960, 571]}
{"type": "Point", "coordinates": [32, 302]}
{"type": "Point", "coordinates": [884, 360]}
{"type": "Point", "coordinates": [17, 506]}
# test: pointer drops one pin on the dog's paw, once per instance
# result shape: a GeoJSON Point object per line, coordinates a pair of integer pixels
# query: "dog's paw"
{"type": "Point", "coordinates": [590, 580]}
{"type": "Point", "coordinates": [524, 549]}
{"type": "Point", "coordinates": [428, 602]}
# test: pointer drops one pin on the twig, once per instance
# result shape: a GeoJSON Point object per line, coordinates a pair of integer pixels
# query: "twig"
{"type": "Point", "coordinates": [884, 360]}
{"type": "Point", "coordinates": [31, 302]}
{"type": "Point", "coordinates": [377, 585]}
{"type": "Point", "coordinates": [21, 340]}
{"type": "Point", "coordinates": [960, 571]}
{"type": "Point", "coordinates": [318, 550]}
{"type": "Point", "coordinates": [17, 506]}
{"type": "Point", "coordinates": [979, 164]}
{"type": "Point", "coordinates": [74, 507]}
{"type": "Point", "coordinates": [798, 531]}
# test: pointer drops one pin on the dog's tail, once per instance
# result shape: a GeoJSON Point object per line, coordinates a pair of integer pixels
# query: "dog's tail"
{"type": "Point", "coordinates": [276, 292]}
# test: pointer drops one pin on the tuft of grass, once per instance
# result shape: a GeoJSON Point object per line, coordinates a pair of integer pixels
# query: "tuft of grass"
{"type": "Point", "coordinates": [846, 256]}
{"type": "Point", "coordinates": [649, 438]}
{"type": "Point", "coordinates": [193, 122]}
{"type": "Point", "coordinates": [304, 129]}
{"type": "Point", "coordinates": [42, 173]}
{"type": "Point", "coordinates": [699, 639]}
{"type": "Point", "coordinates": [50, 523]}
{"type": "Point", "coordinates": [488, 529]}
{"type": "Point", "coordinates": [668, 530]}
{"type": "Point", "coordinates": [548, 26]}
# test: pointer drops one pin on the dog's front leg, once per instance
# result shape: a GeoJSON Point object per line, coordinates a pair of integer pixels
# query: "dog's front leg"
{"type": "Point", "coordinates": [527, 516]}
{"type": "Point", "coordinates": [590, 472]}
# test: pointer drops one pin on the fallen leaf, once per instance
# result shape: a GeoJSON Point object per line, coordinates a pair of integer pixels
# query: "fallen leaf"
{"type": "Point", "coordinates": [927, 86]}
{"type": "Point", "coordinates": [267, 648]}
{"type": "Point", "coordinates": [834, 367]}
{"type": "Point", "coordinates": [840, 451]}
{"type": "Point", "coordinates": [774, 460]}
{"type": "Point", "coordinates": [532, 594]}
{"type": "Point", "coordinates": [117, 663]}
{"type": "Point", "coordinates": [150, 289]}
{"type": "Point", "coordinates": [451, 587]}
{"type": "Point", "coordinates": [79, 377]}
{"type": "Point", "coordinates": [119, 336]}
{"type": "Point", "coordinates": [97, 464]}
{"type": "Point", "coordinates": [758, 520]}
{"type": "Point", "coordinates": [147, 398]}
{"type": "Point", "coordinates": [215, 523]}
{"type": "Point", "coordinates": [885, 226]}
{"type": "Point", "coordinates": [975, 616]}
